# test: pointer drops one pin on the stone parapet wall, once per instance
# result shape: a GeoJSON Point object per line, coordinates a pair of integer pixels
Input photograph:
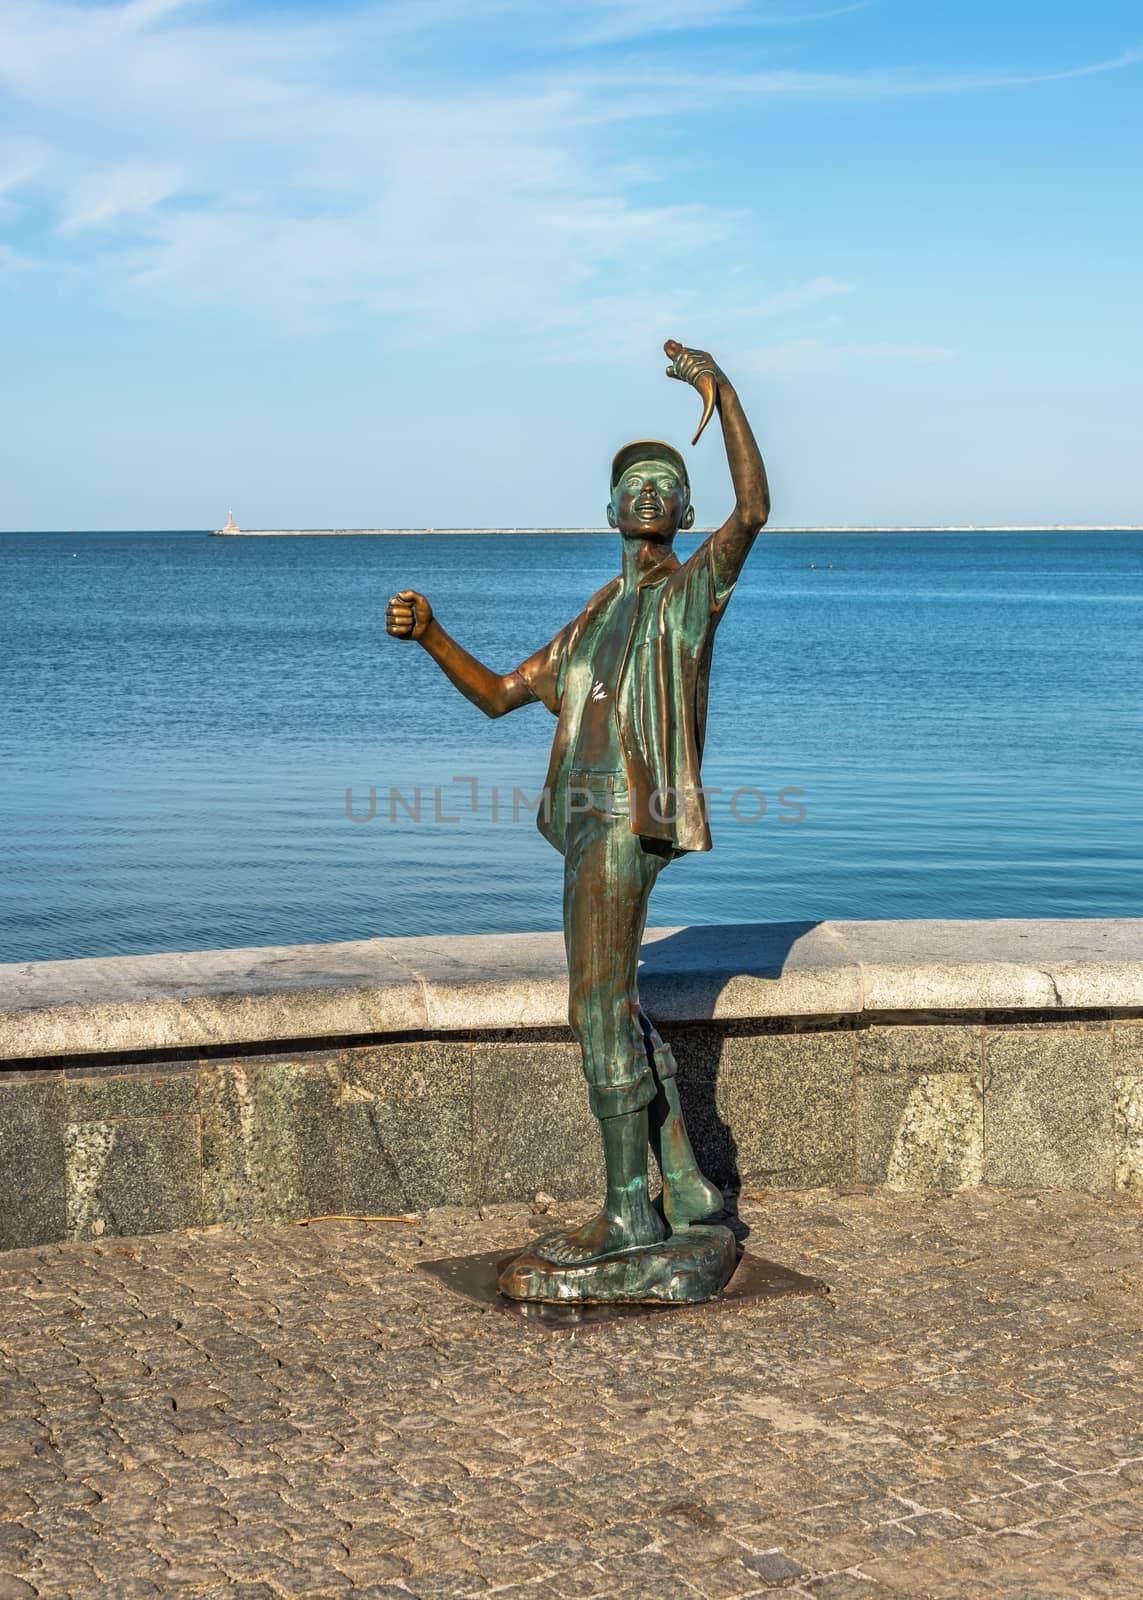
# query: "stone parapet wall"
{"type": "Point", "coordinates": [143, 1094]}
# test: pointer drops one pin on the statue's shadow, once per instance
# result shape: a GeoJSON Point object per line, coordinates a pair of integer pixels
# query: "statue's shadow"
{"type": "Point", "coordinates": [683, 974]}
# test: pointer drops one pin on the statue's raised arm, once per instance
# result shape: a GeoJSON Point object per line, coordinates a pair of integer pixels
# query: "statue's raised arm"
{"type": "Point", "coordinates": [734, 540]}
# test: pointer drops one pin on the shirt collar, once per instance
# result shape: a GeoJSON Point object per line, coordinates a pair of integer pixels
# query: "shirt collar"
{"type": "Point", "coordinates": [662, 569]}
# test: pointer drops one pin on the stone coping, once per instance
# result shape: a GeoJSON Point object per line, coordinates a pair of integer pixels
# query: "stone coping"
{"type": "Point", "coordinates": [510, 981]}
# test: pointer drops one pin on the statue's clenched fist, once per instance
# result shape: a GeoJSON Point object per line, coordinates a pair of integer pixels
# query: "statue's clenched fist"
{"type": "Point", "coordinates": [408, 615]}
{"type": "Point", "coordinates": [689, 365]}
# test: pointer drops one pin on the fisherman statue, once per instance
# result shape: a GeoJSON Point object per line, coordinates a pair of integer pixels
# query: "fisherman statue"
{"type": "Point", "coordinates": [627, 679]}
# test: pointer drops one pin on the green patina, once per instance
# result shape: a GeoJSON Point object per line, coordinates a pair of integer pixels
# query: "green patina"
{"type": "Point", "coordinates": [628, 680]}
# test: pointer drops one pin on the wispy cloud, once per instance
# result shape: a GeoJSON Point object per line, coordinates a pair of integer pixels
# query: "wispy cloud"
{"type": "Point", "coordinates": [800, 296]}
{"type": "Point", "coordinates": [585, 24]}
{"type": "Point", "coordinates": [291, 173]}
{"type": "Point", "coordinates": [782, 83]}
{"type": "Point", "coordinates": [22, 160]}
{"type": "Point", "coordinates": [794, 356]}
{"type": "Point", "coordinates": [133, 189]}
{"type": "Point", "coordinates": [609, 21]}
{"type": "Point", "coordinates": [304, 166]}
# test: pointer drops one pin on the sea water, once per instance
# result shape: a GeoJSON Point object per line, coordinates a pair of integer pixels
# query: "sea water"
{"type": "Point", "coordinates": [212, 742]}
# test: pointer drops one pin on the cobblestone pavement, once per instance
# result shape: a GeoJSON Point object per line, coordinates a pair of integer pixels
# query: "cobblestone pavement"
{"type": "Point", "coordinates": [284, 1411]}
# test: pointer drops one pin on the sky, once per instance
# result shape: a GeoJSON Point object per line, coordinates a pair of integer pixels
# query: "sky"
{"type": "Point", "coordinates": [412, 263]}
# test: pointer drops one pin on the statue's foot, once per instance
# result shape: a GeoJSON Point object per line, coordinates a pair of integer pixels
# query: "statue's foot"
{"type": "Point", "coordinates": [685, 1269]}
{"type": "Point", "coordinates": [607, 1234]}
{"type": "Point", "coordinates": [688, 1197]}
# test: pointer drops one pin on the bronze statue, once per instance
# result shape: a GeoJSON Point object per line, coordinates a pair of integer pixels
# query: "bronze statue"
{"type": "Point", "coordinates": [628, 680]}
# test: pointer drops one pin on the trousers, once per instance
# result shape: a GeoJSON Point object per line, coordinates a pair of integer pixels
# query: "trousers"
{"type": "Point", "coordinates": [609, 873]}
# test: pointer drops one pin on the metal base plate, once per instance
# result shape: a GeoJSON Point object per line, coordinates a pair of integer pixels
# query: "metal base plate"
{"type": "Point", "coordinates": [474, 1278]}
{"type": "Point", "coordinates": [688, 1268]}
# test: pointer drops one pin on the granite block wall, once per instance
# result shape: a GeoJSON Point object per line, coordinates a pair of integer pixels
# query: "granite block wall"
{"type": "Point", "coordinates": [120, 1147]}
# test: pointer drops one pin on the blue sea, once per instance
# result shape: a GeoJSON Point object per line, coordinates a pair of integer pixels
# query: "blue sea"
{"type": "Point", "coordinates": [938, 725]}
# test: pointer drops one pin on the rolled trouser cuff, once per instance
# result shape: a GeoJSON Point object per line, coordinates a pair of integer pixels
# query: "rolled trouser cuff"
{"type": "Point", "coordinates": [617, 1099]}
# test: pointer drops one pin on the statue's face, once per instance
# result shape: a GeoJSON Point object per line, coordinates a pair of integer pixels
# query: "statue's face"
{"type": "Point", "coordinates": [650, 502]}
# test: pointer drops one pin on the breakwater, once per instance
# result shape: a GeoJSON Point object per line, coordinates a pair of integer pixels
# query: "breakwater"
{"type": "Point", "coordinates": [375, 533]}
{"type": "Point", "coordinates": [333, 533]}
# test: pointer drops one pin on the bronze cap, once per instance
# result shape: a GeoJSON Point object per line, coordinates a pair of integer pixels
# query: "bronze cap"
{"type": "Point", "coordinates": [649, 450]}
